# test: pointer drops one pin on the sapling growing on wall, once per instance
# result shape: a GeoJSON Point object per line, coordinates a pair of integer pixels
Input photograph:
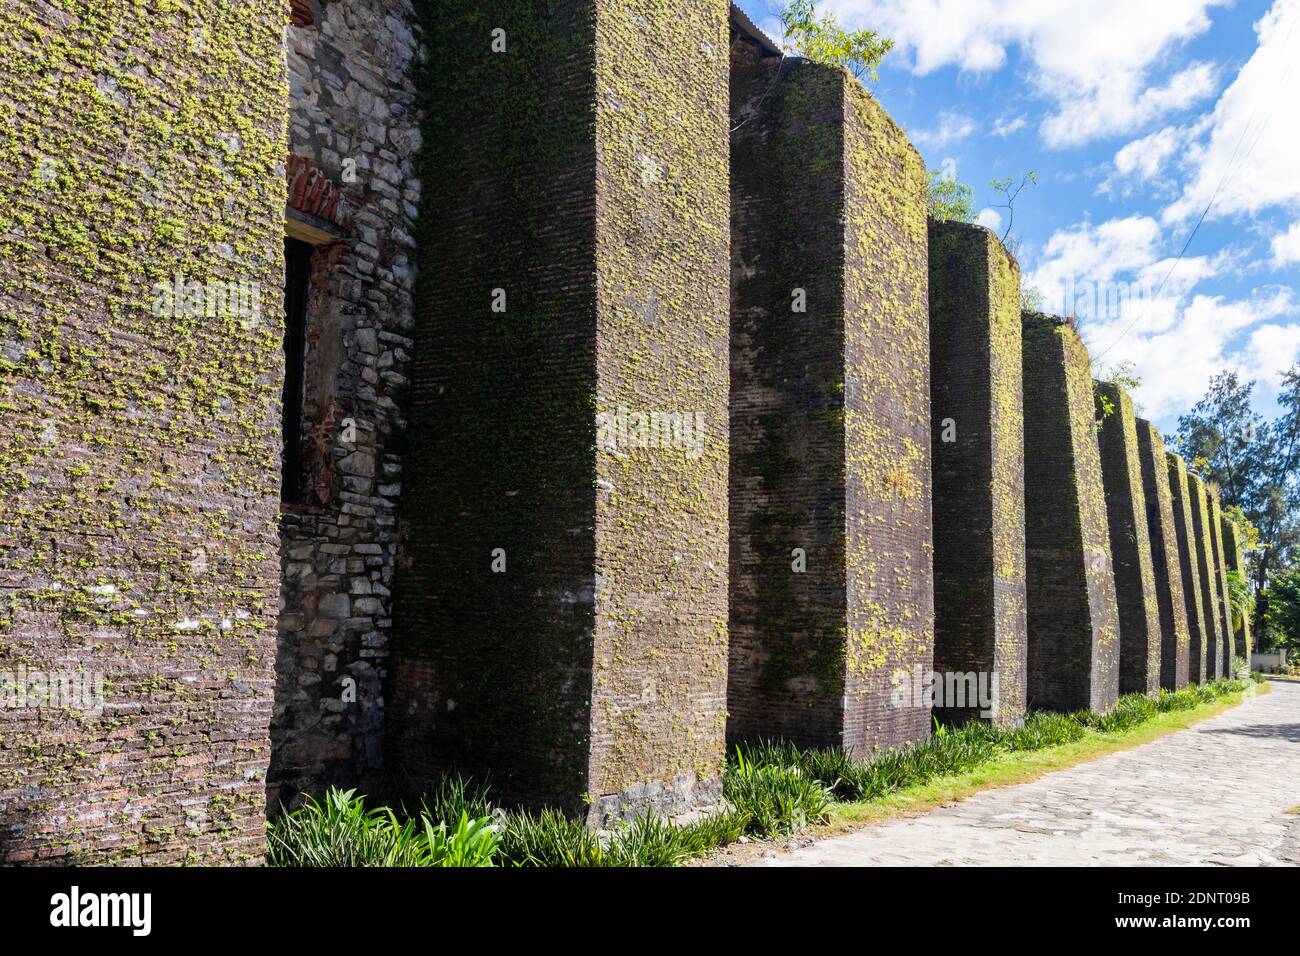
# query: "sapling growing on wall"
{"type": "Point", "coordinates": [822, 40]}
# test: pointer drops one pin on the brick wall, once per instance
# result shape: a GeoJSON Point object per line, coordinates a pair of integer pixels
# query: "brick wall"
{"type": "Point", "coordinates": [977, 433]}
{"type": "Point", "coordinates": [1166, 566]}
{"type": "Point", "coordinates": [1130, 545]}
{"type": "Point", "coordinates": [1222, 602]}
{"type": "Point", "coordinates": [353, 130]}
{"type": "Point", "coordinates": [1232, 554]}
{"type": "Point", "coordinates": [1189, 565]}
{"type": "Point", "coordinates": [786, 675]}
{"type": "Point", "coordinates": [889, 553]}
{"type": "Point", "coordinates": [1211, 650]}
{"type": "Point", "coordinates": [139, 463]}
{"type": "Point", "coordinates": [1073, 657]}
{"type": "Point", "coordinates": [590, 188]}
{"type": "Point", "coordinates": [830, 515]}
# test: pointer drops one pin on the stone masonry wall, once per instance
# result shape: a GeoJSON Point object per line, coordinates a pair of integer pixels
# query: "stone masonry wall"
{"type": "Point", "coordinates": [143, 172]}
{"type": "Point", "coordinates": [561, 595]}
{"type": "Point", "coordinates": [352, 117]}
{"type": "Point", "coordinates": [830, 543]}
{"type": "Point", "coordinates": [1212, 648]}
{"type": "Point", "coordinates": [977, 433]}
{"type": "Point", "coordinates": [1130, 544]}
{"type": "Point", "coordinates": [1073, 620]}
{"type": "Point", "coordinates": [1166, 568]}
{"type": "Point", "coordinates": [1180, 489]}
{"type": "Point", "coordinates": [1232, 554]}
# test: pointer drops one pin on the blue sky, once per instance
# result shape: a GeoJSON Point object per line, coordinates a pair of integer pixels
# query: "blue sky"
{"type": "Point", "coordinates": [1136, 115]}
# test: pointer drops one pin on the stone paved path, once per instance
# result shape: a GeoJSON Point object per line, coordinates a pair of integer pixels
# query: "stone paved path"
{"type": "Point", "coordinates": [1212, 794]}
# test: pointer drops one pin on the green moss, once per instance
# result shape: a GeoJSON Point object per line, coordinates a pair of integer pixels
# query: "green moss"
{"type": "Point", "coordinates": [116, 178]}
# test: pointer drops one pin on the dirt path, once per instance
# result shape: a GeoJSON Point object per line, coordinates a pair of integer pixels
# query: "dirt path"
{"type": "Point", "coordinates": [1215, 793]}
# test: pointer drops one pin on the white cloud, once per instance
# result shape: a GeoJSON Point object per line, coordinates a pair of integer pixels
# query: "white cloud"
{"type": "Point", "coordinates": [953, 128]}
{"type": "Point", "coordinates": [1004, 126]}
{"type": "Point", "coordinates": [1176, 359]}
{"type": "Point", "coordinates": [1117, 279]}
{"type": "Point", "coordinates": [1251, 142]}
{"type": "Point", "coordinates": [1088, 253]}
{"type": "Point", "coordinates": [990, 219]}
{"type": "Point", "coordinates": [1145, 157]}
{"type": "Point", "coordinates": [1098, 61]}
{"type": "Point", "coordinates": [1286, 247]}
{"type": "Point", "coordinates": [1122, 106]}
{"type": "Point", "coordinates": [1271, 350]}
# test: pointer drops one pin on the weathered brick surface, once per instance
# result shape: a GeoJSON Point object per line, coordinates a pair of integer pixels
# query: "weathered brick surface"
{"type": "Point", "coordinates": [1166, 566]}
{"type": "Point", "coordinates": [143, 145]}
{"type": "Point", "coordinates": [1073, 659]}
{"type": "Point", "coordinates": [1189, 566]}
{"type": "Point", "coordinates": [829, 412]}
{"type": "Point", "coordinates": [1232, 554]}
{"type": "Point", "coordinates": [1222, 602]}
{"type": "Point", "coordinates": [353, 140]}
{"type": "Point", "coordinates": [977, 437]}
{"type": "Point", "coordinates": [1211, 652]}
{"type": "Point", "coordinates": [590, 187]}
{"type": "Point", "coordinates": [1130, 545]}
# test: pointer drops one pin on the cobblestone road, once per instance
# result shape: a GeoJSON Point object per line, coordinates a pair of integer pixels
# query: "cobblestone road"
{"type": "Point", "coordinates": [1215, 793]}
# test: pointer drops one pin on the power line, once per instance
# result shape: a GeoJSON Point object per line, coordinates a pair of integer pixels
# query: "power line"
{"type": "Point", "coordinates": [1222, 182]}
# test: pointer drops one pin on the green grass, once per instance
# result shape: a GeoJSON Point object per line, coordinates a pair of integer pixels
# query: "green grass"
{"type": "Point", "coordinates": [770, 788]}
{"type": "Point", "coordinates": [340, 831]}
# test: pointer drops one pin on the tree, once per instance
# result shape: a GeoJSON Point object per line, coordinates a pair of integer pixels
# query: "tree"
{"type": "Point", "coordinates": [947, 198]}
{"type": "Point", "coordinates": [1241, 598]}
{"type": "Point", "coordinates": [1218, 435]}
{"type": "Point", "coordinates": [1257, 466]}
{"type": "Point", "coordinates": [822, 40]}
{"type": "Point", "coordinates": [1032, 299]}
{"type": "Point", "coordinates": [1247, 533]}
{"type": "Point", "coordinates": [1124, 374]}
{"type": "Point", "coordinates": [1282, 621]}
{"type": "Point", "coordinates": [1009, 193]}
{"type": "Point", "coordinates": [1279, 482]}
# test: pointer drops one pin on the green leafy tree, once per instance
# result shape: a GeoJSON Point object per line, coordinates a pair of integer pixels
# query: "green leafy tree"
{"type": "Point", "coordinates": [821, 39]}
{"type": "Point", "coordinates": [1218, 436]}
{"type": "Point", "coordinates": [1241, 598]}
{"type": "Point", "coordinates": [1282, 618]}
{"type": "Point", "coordinates": [1247, 533]}
{"type": "Point", "coordinates": [1256, 464]}
{"type": "Point", "coordinates": [948, 199]}
{"type": "Point", "coordinates": [1032, 299]}
{"type": "Point", "coordinates": [1124, 374]}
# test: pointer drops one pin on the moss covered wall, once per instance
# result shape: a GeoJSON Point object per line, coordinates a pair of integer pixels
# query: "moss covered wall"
{"type": "Point", "coordinates": [1130, 543]}
{"type": "Point", "coordinates": [888, 548]}
{"type": "Point", "coordinates": [1222, 602]}
{"type": "Point", "coordinates": [829, 411]}
{"type": "Point", "coordinates": [1183, 504]}
{"type": "Point", "coordinates": [662, 242]}
{"type": "Point", "coordinates": [1073, 658]}
{"type": "Point", "coordinates": [1167, 572]}
{"type": "Point", "coordinates": [1232, 554]}
{"type": "Point", "coordinates": [787, 469]}
{"type": "Point", "coordinates": [139, 475]}
{"type": "Point", "coordinates": [1208, 661]}
{"type": "Point", "coordinates": [977, 436]}
{"type": "Point", "coordinates": [582, 172]}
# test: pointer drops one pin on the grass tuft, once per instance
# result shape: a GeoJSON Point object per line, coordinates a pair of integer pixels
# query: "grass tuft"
{"type": "Point", "coordinates": [771, 788]}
